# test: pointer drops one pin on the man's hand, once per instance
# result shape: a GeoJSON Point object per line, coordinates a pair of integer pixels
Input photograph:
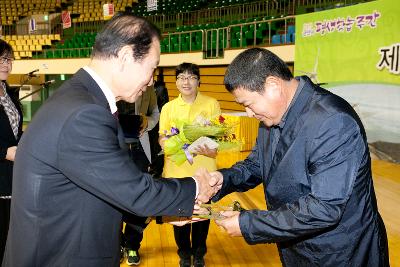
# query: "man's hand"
{"type": "Point", "coordinates": [230, 223]}
{"type": "Point", "coordinates": [11, 153]}
{"type": "Point", "coordinates": [206, 151]}
{"type": "Point", "coordinates": [217, 180]}
{"type": "Point", "coordinates": [206, 185]}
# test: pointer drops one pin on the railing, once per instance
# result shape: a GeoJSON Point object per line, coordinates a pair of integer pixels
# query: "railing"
{"type": "Point", "coordinates": [63, 53]}
{"type": "Point", "coordinates": [213, 15]}
{"type": "Point", "coordinates": [179, 36]}
{"type": "Point", "coordinates": [215, 41]}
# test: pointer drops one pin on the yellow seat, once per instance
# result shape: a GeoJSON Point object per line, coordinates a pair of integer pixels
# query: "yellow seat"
{"type": "Point", "coordinates": [16, 56]}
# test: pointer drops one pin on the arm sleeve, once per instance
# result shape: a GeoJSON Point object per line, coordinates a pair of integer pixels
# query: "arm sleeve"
{"type": "Point", "coordinates": [4, 145]}
{"type": "Point", "coordinates": [242, 176]}
{"type": "Point", "coordinates": [90, 156]}
{"type": "Point", "coordinates": [335, 155]}
{"type": "Point", "coordinates": [3, 152]}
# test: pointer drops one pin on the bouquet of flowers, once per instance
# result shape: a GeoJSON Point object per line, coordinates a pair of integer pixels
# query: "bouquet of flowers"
{"type": "Point", "coordinates": [187, 136]}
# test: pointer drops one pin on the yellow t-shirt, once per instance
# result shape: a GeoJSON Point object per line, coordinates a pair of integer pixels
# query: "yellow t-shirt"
{"type": "Point", "coordinates": [179, 109]}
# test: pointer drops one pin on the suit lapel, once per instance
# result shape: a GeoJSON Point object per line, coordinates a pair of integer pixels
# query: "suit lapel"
{"type": "Point", "coordinates": [294, 122]}
{"type": "Point", "coordinates": [7, 131]}
{"type": "Point", "coordinates": [121, 137]}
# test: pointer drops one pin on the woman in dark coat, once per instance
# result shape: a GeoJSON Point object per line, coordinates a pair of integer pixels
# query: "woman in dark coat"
{"type": "Point", "coordinates": [10, 133]}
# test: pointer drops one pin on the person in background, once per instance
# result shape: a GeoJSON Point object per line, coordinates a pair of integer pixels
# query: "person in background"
{"type": "Point", "coordinates": [139, 147]}
{"type": "Point", "coordinates": [187, 106]}
{"type": "Point", "coordinates": [312, 157]}
{"type": "Point", "coordinates": [157, 164]}
{"type": "Point", "coordinates": [73, 175]}
{"type": "Point", "coordinates": [10, 133]}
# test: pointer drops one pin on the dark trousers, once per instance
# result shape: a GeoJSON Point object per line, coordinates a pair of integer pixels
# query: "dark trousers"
{"type": "Point", "coordinates": [197, 247]}
{"type": "Point", "coordinates": [135, 225]}
{"type": "Point", "coordinates": [4, 223]}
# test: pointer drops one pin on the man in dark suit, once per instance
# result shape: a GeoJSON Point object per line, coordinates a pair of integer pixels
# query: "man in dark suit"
{"type": "Point", "coordinates": [73, 175]}
{"type": "Point", "coordinates": [312, 157]}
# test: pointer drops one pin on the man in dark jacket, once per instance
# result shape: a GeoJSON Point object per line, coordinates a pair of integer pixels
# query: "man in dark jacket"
{"type": "Point", "coordinates": [312, 157]}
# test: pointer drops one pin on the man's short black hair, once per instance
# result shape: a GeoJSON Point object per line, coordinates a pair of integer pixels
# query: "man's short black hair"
{"type": "Point", "coordinates": [251, 68]}
{"type": "Point", "coordinates": [122, 30]}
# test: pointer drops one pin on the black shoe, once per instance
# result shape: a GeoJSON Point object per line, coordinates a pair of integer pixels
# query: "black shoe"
{"type": "Point", "coordinates": [133, 257]}
{"type": "Point", "coordinates": [185, 262]}
{"type": "Point", "coordinates": [199, 262]}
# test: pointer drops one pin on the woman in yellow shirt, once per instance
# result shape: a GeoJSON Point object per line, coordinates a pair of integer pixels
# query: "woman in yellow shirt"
{"type": "Point", "coordinates": [187, 106]}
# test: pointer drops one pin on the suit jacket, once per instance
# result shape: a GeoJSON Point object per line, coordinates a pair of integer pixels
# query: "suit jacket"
{"type": "Point", "coordinates": [146, 104]}
{"type": "Point", "coordinates": [7, 139]}
{"type": "Point", "coordinates": [322, 209]}
{"type": "Point", "coordinates": [72, 178]}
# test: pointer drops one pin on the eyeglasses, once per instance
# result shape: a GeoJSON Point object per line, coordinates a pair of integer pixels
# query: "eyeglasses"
{"type": "Point", "coordinates": [187, 78]}
{"type": "Point", "coordinates": [6, 60]}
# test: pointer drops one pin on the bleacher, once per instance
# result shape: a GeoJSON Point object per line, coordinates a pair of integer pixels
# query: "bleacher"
{"type": "Point", "coordinates": [25, 46]}
{"type": "Point", "coordinates": [209, 26]}
{"type": "Point", "coordinates": [92, 10]}
{"type": "Point", "coordinates": [13, 10]}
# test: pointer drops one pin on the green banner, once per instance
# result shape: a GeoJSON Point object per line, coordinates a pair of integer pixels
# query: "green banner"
{"type": "Point", "coordinates": [359, 43]}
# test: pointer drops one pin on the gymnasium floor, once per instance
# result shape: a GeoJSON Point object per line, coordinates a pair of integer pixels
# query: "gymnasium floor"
{"type": "Point", "coordinates": [159, 248]}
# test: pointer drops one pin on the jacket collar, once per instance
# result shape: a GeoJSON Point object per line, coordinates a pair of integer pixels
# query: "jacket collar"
{"type": "Point", "coordinates": [296, 117]}
{"type": "Point", "coordinates": [104, 87]}
{"type": "Point", "coordinates": [93, 88]}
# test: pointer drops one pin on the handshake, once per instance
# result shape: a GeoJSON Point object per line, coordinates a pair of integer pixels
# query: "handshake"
{"type": "Point", "coordinates": [208, 184]}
